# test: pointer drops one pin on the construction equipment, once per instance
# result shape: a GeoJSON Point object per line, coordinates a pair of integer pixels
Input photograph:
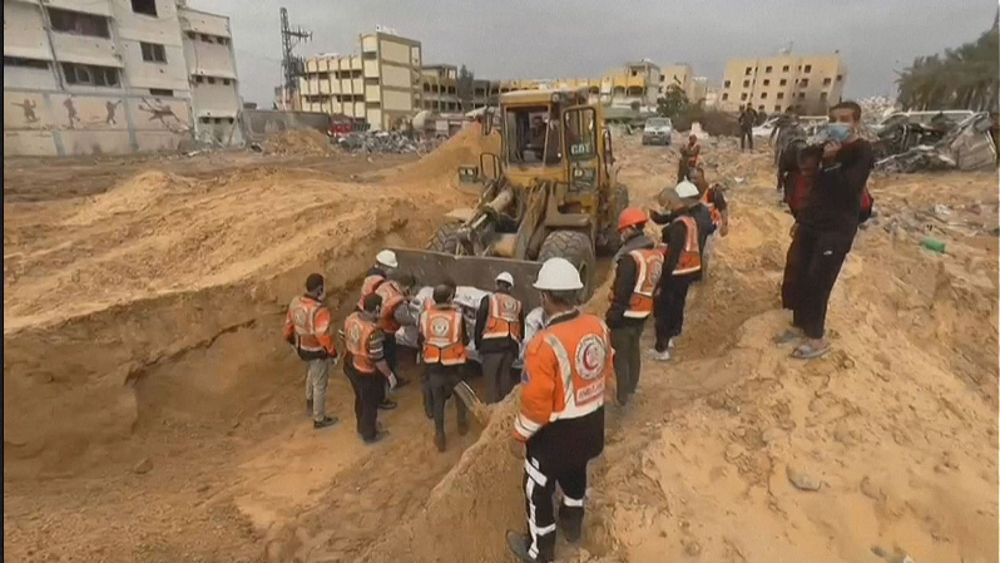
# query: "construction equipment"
{"type": "Point", "coordinates": [551, 192]}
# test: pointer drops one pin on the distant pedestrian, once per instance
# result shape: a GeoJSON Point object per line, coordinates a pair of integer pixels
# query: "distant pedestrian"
{"type": "Point", "coordinates": [747, 120]}
{"type": "Point", "coordinates": [689, 158]}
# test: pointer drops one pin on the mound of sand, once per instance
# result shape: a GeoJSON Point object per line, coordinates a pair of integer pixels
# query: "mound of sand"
{"type": "Point", "coordinates": [463, 149]}
{"type": "Point", "coordinates": [135, 195]}
{"type": "Point", "coordinates": [306, 142]}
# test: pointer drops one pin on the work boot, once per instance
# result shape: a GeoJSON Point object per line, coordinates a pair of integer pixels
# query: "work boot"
{"type": "Point", "coordinates": [571, 522]}
{"type": "Point", "coordinates": [327, 421]}
{"type": "Point", "coordinates": [518, 544]}
{"type": "Point", "coordinates": [387, 405]}
{"type": "Point", "coordinates": [379, 435]}
{"type": "Point", "coordinates": [401, 382]}
{"type": "Point", "coordinates": [439, 441]}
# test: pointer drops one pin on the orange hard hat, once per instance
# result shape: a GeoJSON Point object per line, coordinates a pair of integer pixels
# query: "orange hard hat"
{"type": "Point", "coordinates": [631, 217]}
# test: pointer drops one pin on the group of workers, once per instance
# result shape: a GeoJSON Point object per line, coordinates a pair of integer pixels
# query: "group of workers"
{"type": "Point", "coordinates": [574, 361]}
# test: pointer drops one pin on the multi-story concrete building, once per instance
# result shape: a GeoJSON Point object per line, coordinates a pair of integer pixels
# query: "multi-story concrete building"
{"type": "Point", "coordinates": [106, 76]}
{"type": "Point", "coordinates": [808, 85]}
{"type": "Point", "coordinates": [380, 86]}
{"type": "Point", "coordinates": [211, 68]}
{"type": "Point", "coordinates": [441, 91]}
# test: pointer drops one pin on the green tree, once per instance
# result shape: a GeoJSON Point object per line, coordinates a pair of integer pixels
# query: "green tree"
{"type": "Point", "coordinates": [464, 87]}
{"type": "Point", "coordinates": [674, 102]}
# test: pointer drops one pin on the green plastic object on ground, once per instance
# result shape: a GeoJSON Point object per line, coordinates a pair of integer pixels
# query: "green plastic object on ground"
{"type": "Point", "coordinates": [932, 244]}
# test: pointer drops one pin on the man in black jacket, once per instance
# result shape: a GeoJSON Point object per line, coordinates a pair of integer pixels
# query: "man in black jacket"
{"type": "Point", "coordinates": [637, 269]}
{"type": "Point", "coordinates": [499, 330]}
{"type": "Point", "coordinates": [825, 228]}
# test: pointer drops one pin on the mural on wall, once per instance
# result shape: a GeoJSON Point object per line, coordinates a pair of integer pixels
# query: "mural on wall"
{"type": "Point", "coordinates": [28, 106]}
{"type": "Point", "coordinates": [165, 114]}
{"type": "Point", "coordinates": [71, 112]}
{"type": "Point", "coordinates": [112, 108]}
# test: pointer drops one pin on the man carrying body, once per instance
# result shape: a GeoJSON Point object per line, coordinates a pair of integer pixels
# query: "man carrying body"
{"type": "Point", "coordinates": [689, 158]}
{"type": "Point", "coordinates": [566, 375]}
{"type": "Point", "coordinates": [394, 314]}
{"type": "Point", "coordinates": [365, 367]}
{"type": "Point", "coordinates": [638, 265]}
{"type": "Point", "coordinates": [825, 228]}
{"type": "Point", "coordinates": [307, 328]}
{"type": "Point", "coordinates": [499, 328]}
{"type": "Point", "coordinates": [442, 342]}
{"type": "Point", "coordinates": [385, 264]}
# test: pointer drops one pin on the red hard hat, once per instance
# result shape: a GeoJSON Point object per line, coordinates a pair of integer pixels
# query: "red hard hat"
{"type": "Point", "coordinates": [631, 217]}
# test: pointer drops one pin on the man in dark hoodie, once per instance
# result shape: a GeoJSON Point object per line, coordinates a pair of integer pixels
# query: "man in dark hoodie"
{"type": "Point", "coordinates": [637, 270]}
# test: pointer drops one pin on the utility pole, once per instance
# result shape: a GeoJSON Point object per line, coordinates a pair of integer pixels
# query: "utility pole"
{"type": "Point", "coordinates": [291, 65]}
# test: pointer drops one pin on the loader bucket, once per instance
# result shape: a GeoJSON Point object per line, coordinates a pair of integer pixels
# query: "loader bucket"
{"type": "Point", "coordinates": [432, 268]}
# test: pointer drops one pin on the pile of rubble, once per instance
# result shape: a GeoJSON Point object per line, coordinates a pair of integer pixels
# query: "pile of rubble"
{"type": "Point", "coordinates": [911, 147]}
{"type": "Point", "coordinates": [386, 142]}
{"type": "Point", "coordinates": [876, 108]}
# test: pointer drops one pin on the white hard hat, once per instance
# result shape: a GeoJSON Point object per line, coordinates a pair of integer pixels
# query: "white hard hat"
{"type": "Point", "coordinates": [686, 190]}
{"type": "Point", "coordinates": [506, 278]}
{"type": "Point", "coordinates": [387, 258]}
{"type": "Point", "coordinates": [558, 274]}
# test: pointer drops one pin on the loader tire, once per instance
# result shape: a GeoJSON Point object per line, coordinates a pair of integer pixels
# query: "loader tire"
{"type": "Point", "coordinates": [447, 241]}
{"type": "Point", "coordinates": [576, 247]}
{"type": "Point", "coordinates": [608, 241]}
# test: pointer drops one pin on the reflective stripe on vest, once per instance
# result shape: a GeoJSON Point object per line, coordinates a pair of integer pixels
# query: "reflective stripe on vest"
{"type": "Point", "coordinates": [690, 258]}
{"type": "Point", "coordinates": [392, 297]}
{"type": "Point", "coordinates": [504, 317]}
{"type": "Point", "coordinates": [368, 287]}
{"type": "Point", "coordinates": [649, 266]}
{"type": "Point", "coordinates": [441, 327]}
{"type": "Point", "coordinates": [357, 334]}
{"type": "Point", "coordinates": [303, 315]}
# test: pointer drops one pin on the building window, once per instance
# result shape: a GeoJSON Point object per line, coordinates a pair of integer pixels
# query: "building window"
{"type": "Point", "coordinates": [222, 40]}
{"type": "Point", "coordinates": [767, 82]}
{"type": "Point", "coordinates": [760, 107]}
{"type": "Point", "coordinates": [161, 92]}
{"type": "Point", "coordinates": [743, 96]}
{"type": "Point", "coordinates": [153, 53]}
{"type": "Point", "coordinates": [205, 120]}
{"type": "Point", "coordinates": [226, 81]}
{"type": "Point", "coordinates": [808, 69]}
{"type": "Point", "coordinates": [803, 83]}
{"type": "Point", "coordinates": [725, 96]}
{"type": "Point", "coordinates": [192, 35]}
{"type": "Point", "coordinates": [840, 77]}
{"type": "Point", "coordinates": [90, 75]}
{"type": "Point", "coordinates": [147, 7]}
{"type": "Point", "coordinates": [784, 68]}
{"type": "Point", "coordinates": [822, 96]}
{"type": "Point", "coordinates": [26, 63]}
{"type": "Point", "coordinates": [749, 70]}
{"type": "Point", "coordinates": [451, 89]}
{"type": "Point", "coordinates": [783, 82]}
{"type": "Point", "coordinates": [726, 84]}
{"type": "Point", "coordinates": [777, 107]}
{"type": "Point", "coordinates": [206, 38]}
{"type": "Point", "coordinates": [199, 79]}
{"type": "Point", "coordinates": [763, 95]}
{"type": "Point", "coordinates": [77, 23]}
{"type": "Point", "coordinates": [768, 70]}
{"type": "Point", "coordinates": [802, 95]}
{"type": "Point", "coordinates": [210, 79]}
{"type": "Point", "coordinates": [746, 83]}
{"type": "Point", "coordinates": [781, 95]}
{"type": "Point", "coordinates": [827, 82]}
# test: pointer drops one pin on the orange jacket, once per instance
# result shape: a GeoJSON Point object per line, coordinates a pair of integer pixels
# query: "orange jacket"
{"type": "Point", "coordinates": [566, 368]}
{"type": "Point", "coordinates": [690, 256]}
{"type": "Point", "coordinates": [504, 318]}
{"type": "Point", "coordinates": [442, 332]}
{"type": "Point", "coordinates": [307, 327]}
{"type": "Point", "coordinates": [358, 333]}
{"type": "Point", "coordinates": [392, 297]}
{"type": "Point", "coordinates": [706, 200]}
{"type": "Point", "coordinates": [368, 287]}
{"type": "Point", "coordinates": [649, 266]}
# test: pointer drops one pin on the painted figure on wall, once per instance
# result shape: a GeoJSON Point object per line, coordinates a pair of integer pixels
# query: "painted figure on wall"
{"type": "Point", "coordinates": [71, 112]}
{"type": "Point", "coordinates": [29, 110]}
{"type": "Point", "coordinates": [112, 108]}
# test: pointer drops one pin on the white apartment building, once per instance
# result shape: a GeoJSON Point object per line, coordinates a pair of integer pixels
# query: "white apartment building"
{"type": "Point", "coordinates": [114, 77]}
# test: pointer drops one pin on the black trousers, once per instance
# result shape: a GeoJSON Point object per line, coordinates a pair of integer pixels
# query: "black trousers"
{"type": "Point", "coordinates": [628, 359]}
{"type": "Point", "coordinates": [668, 309]}
{"type": "Point", "coordinates": [389, 350]}
{"type": "Point", "coordinates": [369, 390]}
{"type": "Point", "coordinates": [442, 380]}
{"type": "Point", "coordinates": [746, 138]}
{"type": "Point", "coordinates": [811, 268]}
{"type": "Point", "coordinates": [539, 485]}
{"type": "Point", "coordinates": [497, 373]}
{"type": "Point", "coordinates": [682, 170]}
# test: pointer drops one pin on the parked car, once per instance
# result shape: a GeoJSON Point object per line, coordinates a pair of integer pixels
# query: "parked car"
{"type": "Point", "coordinates": [805, 121]}
{"type": "Point", "coordinates": [657, 131]}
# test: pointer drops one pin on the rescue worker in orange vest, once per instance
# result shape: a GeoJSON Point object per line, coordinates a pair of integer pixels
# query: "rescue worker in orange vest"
{"type": "Point", "coordinates": [442, 341]}
{"type": "Point", "coordinates": [638, 264]}
{"type": "Point", "coordinates": [689, 158]}
{"type": "Point", "coordinates": [499, 329]}
{"type": "Point", "coordinates": [307, 328]}
{"type": "Point", "coordinates": [385, 264]}
{"type": "Point", "coordinates": [712, 207]}
{"type": "Point", "coordinates": [365, 367]}
{"type": "Point", "coordinates": [681, 265]}
{"type": "Point", "coordinates": [566, 376]}
{"type": "Point", "coordinates": [394, 314]}
{"type": "Point", "coordinates": [425, 386]}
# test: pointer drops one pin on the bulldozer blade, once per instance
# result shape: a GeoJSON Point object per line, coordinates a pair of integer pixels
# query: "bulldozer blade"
{"type": "Point", "coordinates": [479, 409]}
{"type": "Point", "coordinates": [432, 268]}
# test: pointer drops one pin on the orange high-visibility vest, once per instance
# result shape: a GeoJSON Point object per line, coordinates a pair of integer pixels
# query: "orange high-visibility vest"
{"type": "Point", "coordinates": [707, 202]}
{"type": "Point", "coordinates": [441, 327]}
{"type": "Point", "coordinates": [311, 322]}
{"type": "Point", "coordinates": [649, 266]}
{"type": "Point", "coordinates": [504, 317]}
{"type": "Point", "coordinates": [566, 368]}
{"type": "Point", "coordinates": [368, 287]}
{"type": "Point", "coordinates": [690, 258]}
{"type": "Point", "coordinates": [392, 297]}
{"type": "Point", "coordinates": [357, 333]}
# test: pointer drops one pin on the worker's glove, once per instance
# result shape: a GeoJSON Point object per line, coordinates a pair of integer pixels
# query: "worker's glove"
{"type": "Point", "coordinates": [392, 382]}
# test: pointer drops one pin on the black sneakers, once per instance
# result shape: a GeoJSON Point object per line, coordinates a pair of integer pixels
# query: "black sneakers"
{"type": "Point", "coordinates": [570, 522]}
{"type": "Point", "coordinates": [387, 405]}
{"type": "Point", "coordinates": [518, 543]}
{"type": "Point", "coordinates": [327, 421]}
{"type": "Point", "coordinates": [379, 435]}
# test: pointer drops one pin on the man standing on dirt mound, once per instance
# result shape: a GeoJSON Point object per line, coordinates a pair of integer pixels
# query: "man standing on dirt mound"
{"type": "Point", "coordinates": [365, 366]}
{"type": "Point", "coordinates": [395, 314]}
{"type": "Point", "coordinates": [637, 271]}
{"type": "Point", "coordinates": [825, 229]}
{"type": "Point", "coordinates": [566, 375]}
{"type": "Point", "coordinates": [499, 327]}
{"type": "Point", "coordinates": [385, 264]}
{"type": "Point", "coordinates": [442, 341]}
{"type": "Point", "coordinates": [307, 328]}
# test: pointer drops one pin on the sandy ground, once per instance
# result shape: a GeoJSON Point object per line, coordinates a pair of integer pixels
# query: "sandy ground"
{"type": "Point", "coordinates": [151, 412]}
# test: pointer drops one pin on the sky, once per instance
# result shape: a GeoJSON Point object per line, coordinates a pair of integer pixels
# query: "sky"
{"type": "Point", "coordinates": [501, 39]}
